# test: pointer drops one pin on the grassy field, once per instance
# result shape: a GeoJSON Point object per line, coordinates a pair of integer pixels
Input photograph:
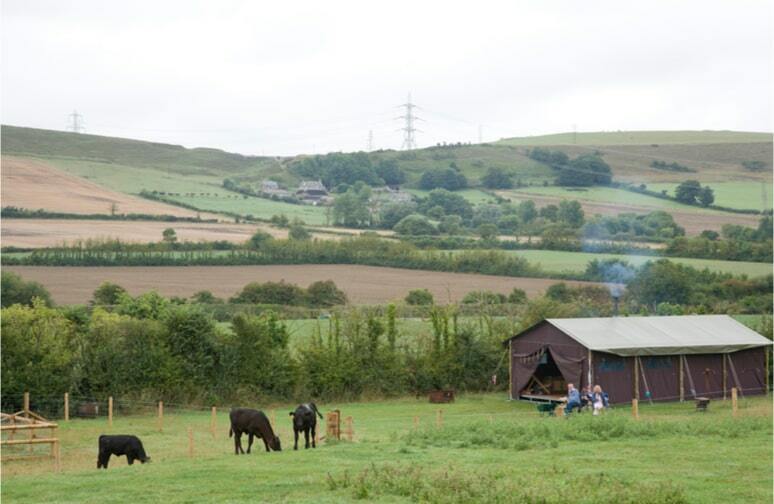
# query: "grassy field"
{"type": "Point", "coordinates": [576, 262]}
{"type": "Point", "coordinates": [474, 196]}
{"type": "Point", "coordinates": [612, 195]}
{"type": "Point", "coordinates": [739, 194]}
{"type": "Point", "coordinates": [640, 138]}
{"type": "Point", "coordinates": [260, 208]}
{"type": "Point", "coordinates": [483, 439]}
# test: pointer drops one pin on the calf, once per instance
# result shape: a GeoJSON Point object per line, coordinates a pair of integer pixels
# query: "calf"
{"type": "Point", "coordinates": [131, 446]}
{"type": "Point", "coordinates": [304, 419]}
{"type": "Point", "coordinates": [253, 423]}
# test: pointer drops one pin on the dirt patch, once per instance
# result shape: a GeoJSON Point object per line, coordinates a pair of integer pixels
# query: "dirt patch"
{"type": "Point", "coordinates": [35, 185]}
{"type": "Point", "coordinates": [693, 222]}
{"type": "Point", "coordinates": [363, 284]}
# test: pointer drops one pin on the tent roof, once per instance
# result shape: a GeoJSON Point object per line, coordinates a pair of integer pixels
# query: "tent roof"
{"type": "Point", "coordinates": [688, 334]}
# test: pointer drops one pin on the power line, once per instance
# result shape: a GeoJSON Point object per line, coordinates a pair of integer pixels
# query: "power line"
{"type": "Point", "coordinates": [409, 140]}
{"type": "Point", "coordinates": [75, 122]}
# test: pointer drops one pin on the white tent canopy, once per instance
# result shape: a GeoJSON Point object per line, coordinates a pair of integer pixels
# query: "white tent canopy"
{"type": "Point", "coordinates": [688, 334]}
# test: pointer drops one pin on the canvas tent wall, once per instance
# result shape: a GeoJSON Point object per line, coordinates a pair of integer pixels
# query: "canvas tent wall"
{"type": "Point", "coordinates": [656, 358]}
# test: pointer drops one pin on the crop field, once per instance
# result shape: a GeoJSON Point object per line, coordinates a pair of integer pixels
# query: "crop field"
{"type": "Point", "coordinates": [740, 194]}
{"type": "Point", "coordinates": [37, 233]}
{"type": "Point", "coordinates": [693, 219]}
{"type": "Point", "coordinates": [576, 262]}
{"type": "Point", "coordinates": [363, 284]}
{"type": "Point", "coordinates": [477, 454]}
{"type": "Point", "coordinates": [35, 184]}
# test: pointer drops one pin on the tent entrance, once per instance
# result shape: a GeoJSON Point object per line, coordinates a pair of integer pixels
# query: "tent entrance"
{"type": "Point", "coordinates": [546, 383]}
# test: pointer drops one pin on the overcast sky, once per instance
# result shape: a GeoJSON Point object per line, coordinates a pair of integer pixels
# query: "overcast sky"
{"type": "Point", "coordinates": [298, 77]}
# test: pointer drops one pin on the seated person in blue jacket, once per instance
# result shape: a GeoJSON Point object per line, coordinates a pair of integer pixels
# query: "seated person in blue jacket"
{"type": "Point", "coordinates": [573, 399]}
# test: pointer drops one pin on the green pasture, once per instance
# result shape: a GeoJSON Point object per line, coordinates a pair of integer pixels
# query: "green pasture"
{"type": "Point", "coordinates": [557, 261]}
{"type": "Point", "coordinates": [607, 195]}
{"type": "Point", "coordinates": [745, 195]}
{"type": "Point", "coordinates": [672, 454]}
{"type": "Point", "coordinates": [474, 196]}
{"type": "Point", "coordinates": [134, 179]}
{"type": "Point", "coordinates": [260, 208]}
{"type": "Point", "coordinates": [640, 138]}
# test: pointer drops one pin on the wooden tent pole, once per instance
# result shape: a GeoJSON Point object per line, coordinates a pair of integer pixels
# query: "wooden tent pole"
{"type": "Point", "coordinates": [636, 378]}
{"type": "Point", "coordinates": [682, 379]}
{"type": "Point", "coordinates": [590, 373]}
{"type": "Point", "coordinates": [510, 369]}
{"type": "Point", "coordinates": [725, 377]}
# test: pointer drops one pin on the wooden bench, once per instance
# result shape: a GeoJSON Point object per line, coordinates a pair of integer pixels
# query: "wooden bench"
{"type": "Point", "coordinates": [702, 403]}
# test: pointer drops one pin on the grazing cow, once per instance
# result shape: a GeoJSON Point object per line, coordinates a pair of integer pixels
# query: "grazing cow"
{"type": "Point", "coordinates": [304, 419]}
{"type": "Point", "coordinates": [253, 423]}
{"type": "Point", "coordinates": [131, 446]}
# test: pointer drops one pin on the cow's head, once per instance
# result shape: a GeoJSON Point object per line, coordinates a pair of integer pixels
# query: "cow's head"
{"type": "Point", "coordinates": [275, 444]}
{"type": "Point", "coordinates": [145, 460]}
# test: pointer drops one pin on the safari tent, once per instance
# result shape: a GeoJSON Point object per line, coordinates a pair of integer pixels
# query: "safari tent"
{"type": "Point", "coordinates": [651, 358]}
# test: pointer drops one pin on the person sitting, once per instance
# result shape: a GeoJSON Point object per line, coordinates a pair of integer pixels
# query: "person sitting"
{"type": "Point", "coordinates": [585, 398]}
{"type": "Point", "coordinates": [598, 400]}
{"type": "Point", "coordinates": [573, 399]}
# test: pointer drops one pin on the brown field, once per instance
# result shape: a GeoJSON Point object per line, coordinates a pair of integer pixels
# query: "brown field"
{"type": "Point", "coordinates": [694, 222]}
{"type": "Point", "coordinates": [36, 233]}
{"type": "Point", "coordinates": [363, 284]}
{"type": "Point", "coordinates": [35, 185]}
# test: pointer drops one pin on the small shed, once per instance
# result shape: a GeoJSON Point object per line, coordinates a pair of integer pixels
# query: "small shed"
{"type": "Point", "coordinates": [655, 358]}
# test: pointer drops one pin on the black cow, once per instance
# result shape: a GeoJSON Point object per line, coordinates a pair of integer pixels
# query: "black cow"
{"type": "Point", "coordinates": [304, 419]}
{"type": "Point", "coordinates": [253, 423]}
{"type": "Point", "coordinates": [131, 446]}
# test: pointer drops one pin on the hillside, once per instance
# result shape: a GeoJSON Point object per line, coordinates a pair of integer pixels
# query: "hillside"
{"type": "Point", "coordinates": [641, 138]}
{"type": "Point", "coordinates": [195, 176]}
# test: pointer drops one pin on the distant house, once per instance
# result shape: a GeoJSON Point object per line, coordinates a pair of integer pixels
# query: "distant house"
{"type": "Point", "coordinates": [390, 195]}
{"type": "Point", "coordinates": [312, 191]}
{"type": "Point", "coordinates": [272, 188]}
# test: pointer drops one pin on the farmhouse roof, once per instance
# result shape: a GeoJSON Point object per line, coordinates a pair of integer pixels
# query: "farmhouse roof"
{"type": "Point", "coordinates": [311, 185]}
{"type": "Point", "coordinates": [687, 334]}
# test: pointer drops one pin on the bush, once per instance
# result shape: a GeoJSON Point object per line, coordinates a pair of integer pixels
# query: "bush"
{"type": "Point", "coordinates": [415, 225]}
{"type": "Point", "coordinates": [108, 293]}
{"type": "Point", "coordinates": [205, 297]}
{"type": "Point", "coordinates": [325, 294]}
{"type": "Point", "coordinates": [279, 293]}
{"type": "Point", "coordinates": [14, 290]}
{"type": "Point", "coordinates": [517, 296]}
{"type": "Point", "coordinates": [497, 178]}
{"type": "Point", "coordinates": [484, 297]}
{"type": "Point", "coordinates": [299, 233]}
{"type": "Point", "coordinates": [259, 240]}
{"type": "Point", "coordinates": [418, 297]}
{"type": "Point", "coordinates": [585, 170]}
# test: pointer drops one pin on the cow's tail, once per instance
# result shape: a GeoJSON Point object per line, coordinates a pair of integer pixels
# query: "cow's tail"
{"type": "Point", "coordinates": [314, 408]}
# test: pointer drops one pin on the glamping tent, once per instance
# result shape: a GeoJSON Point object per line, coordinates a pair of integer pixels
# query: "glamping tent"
{"type": "Point", "coordinates": [654, 358]}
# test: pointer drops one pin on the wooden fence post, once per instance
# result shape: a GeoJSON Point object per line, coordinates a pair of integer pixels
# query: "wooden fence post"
{"type": "Point", "coordinates": [439, 419]}
{"type": "Point", "coordinates": [682, 379]}
{"type": "Point", "coordinates": [733, 402]}
{"type": "Point", "coordinates": [725, 377]}
{"type": "Point", "coordinates": [160, 420]}
{"type": "Point", "coordinates": [635, 409]}
{"type": "Point", "coordinates": [416, 422]}
{"type": "Point", "coordinates": [57, 460]}
{"type": "Point", "coordinates": [348, 430]}
{"type": "Point", "coordinates": [213, 420]}
{"type": "Point", "coordinates": [110, 411]}
{"type": "Point", "coordinates": [190, 442]}
{"type": "Point", "coordinates": [26, 403]}
{"type": "Point", "coordinates": [66, 407]}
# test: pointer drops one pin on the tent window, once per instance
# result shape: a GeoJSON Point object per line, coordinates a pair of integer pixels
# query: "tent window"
{"type": "Point", "coordinates": [657, 363]}
{"type": "Point", "coordinates": [608, 365]}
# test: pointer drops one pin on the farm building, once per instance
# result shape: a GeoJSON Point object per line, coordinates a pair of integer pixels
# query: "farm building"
{"type": "Point", "coordinates": [312, 191]}
{"type": "Point", "coordinates": [655, 358]}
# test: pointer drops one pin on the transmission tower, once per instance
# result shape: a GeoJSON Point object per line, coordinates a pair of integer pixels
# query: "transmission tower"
{"type": "Point", "coordinates": [409, 141]}
{"type": "Point", "coordinates": [75, 123]}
